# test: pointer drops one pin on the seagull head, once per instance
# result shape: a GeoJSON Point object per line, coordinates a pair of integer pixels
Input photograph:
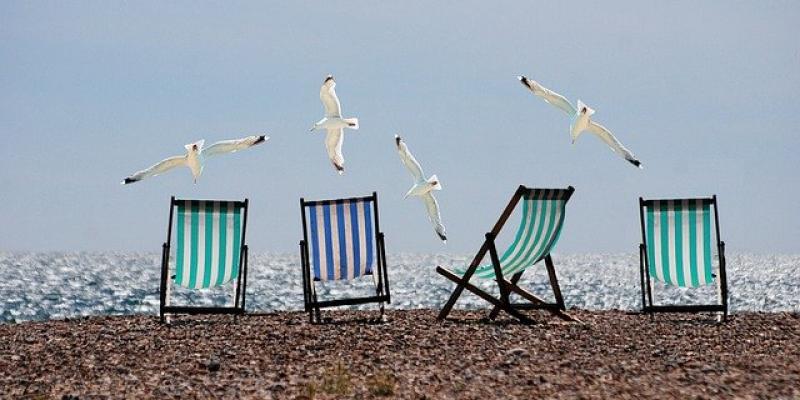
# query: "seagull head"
{"type": "Point", "coordinates": [195, 147]}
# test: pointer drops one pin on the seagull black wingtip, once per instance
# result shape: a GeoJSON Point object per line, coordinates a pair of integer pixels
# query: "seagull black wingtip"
{"type": "Point", "coordinates": [397, 140]}
{"type": "Point", "coordinates": [636, 163]}
{"type": "Point", "coordinates": [524, 81]}
{"type": "Point", "coordinates": [262, 138]}
{"type": "Point", "coordinates": [129, 181]}
{"type": "Point", "coordinates": [328, 78]}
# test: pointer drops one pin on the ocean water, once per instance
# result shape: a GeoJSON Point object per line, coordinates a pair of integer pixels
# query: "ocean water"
{"type": "Point", "coordinates": [41, 286]}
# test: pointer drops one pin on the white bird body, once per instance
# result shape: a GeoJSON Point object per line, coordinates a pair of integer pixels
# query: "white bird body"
{"type": "Point", "coordinates": [423, 188]}
{"type": "Point", "coordinates": [333, 123]}
{"type": "Point", "coordinates": [195, 157]}
{"type": "Point", "coordinates": [580, 119]}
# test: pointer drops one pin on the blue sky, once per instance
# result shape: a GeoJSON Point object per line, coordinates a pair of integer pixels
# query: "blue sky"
{"type": "Point", "coordinates": [706, 95]}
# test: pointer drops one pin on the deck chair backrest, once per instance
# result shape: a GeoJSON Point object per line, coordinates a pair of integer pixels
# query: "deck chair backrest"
{"type": "Point", "coordinates": [538, 232]}
{"type": "Point", "coordinates": [342, 237]}
{"type": "Point", "coordinates": [678, 240]}
{"type": "Point", "coordinates": [208, 242]}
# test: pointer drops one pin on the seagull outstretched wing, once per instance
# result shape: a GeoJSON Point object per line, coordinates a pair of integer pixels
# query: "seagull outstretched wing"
{"type": "Point", "coordinates": [612, 142]}
{"type": "Point", "coordinates": [157, 169]}
{"type": "Point", "coordinates": [433, 215]}
{"type": "Point", "coordinates": [330, 101]}
{"type": "Point", "coordinates": [408, 159]}
{"type": "Point", "coordinates": [333, 143]}
{"type": "Point", "coordinates": [234, 145]}
{"type": "Point", "coordinates": [548, 95]}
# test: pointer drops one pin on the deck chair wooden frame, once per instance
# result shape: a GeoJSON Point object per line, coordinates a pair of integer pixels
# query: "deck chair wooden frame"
{"type": "Point", "coordinates": [239, 282]}
{"type": "Point", "coordinates": [509, 286]}
{"type": "Point", "coordinates": [648, 306]}
{"type": "Point", "coordinates": [313, 305]}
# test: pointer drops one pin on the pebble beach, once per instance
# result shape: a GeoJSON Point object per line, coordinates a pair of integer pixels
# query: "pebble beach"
{"type": "Point", "coordinates": [609, 354]}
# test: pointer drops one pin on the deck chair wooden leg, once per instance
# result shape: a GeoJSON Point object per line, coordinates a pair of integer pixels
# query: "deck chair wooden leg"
{"type": "Point", "coordinates": [457, 291]}
{"type": "Point", "coordinates": [514, 280]}
{"type": "Point", "coordinates": [482, 294]}
{"type": "Point", "coordinates": [551, 272]}
{"type": "Point", "coordinates": [535, 299]}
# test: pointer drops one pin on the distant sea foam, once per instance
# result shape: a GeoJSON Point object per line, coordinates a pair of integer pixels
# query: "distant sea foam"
{"type": "Point", "coordinates": [40, 286]}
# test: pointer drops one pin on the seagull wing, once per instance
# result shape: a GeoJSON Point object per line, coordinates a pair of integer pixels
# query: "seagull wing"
{"type": "Point", "coordinates": [157, 169]}
{"type": "Point", "coordinates": [433, 215]}
{"type": "Point", "coordinates": [606, 136]}
{"type": "Point", "coordinates": [548, 95]}
{"type": "Point", "coordinates": [234, 145]}
{"type": "Point", "coordinates": [408, 159]}
{"type": "Point", "coordinates": [333, 143]}
{"type": "Point", "coordinates": [330, 101]}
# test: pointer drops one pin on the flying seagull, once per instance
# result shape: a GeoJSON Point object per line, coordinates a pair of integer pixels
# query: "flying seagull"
{"type": "Point", "coordinates": [195, 157]}
{"type": "Point", "coordinates": [333, 123]}
{"type": "Point", "coordinates": [422, 188]}
{"type": "Point", "coordinates": [580, 120]}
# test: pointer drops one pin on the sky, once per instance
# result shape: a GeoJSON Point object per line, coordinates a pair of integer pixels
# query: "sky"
{"type": "Point", "coordinates": [704, 93]}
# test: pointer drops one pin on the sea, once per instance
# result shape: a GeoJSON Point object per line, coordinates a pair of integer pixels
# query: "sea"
{"type": "Point", "coordinates": [48, 285]}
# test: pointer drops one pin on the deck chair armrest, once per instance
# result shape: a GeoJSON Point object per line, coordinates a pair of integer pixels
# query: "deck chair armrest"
{"type": "Point", "coordinates": [722, 251]}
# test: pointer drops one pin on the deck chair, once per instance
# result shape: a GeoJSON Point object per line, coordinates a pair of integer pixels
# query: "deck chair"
{"type": "Point", "coordinates": [676, 250]}
{"type": "Point", "coordinates": [539, 229]}
{"type": "Point", "coordinates": [342, 241]}
{"type": "Point", "coordinates": [210, 251]}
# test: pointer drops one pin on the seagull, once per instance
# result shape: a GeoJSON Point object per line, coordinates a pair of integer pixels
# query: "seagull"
{"type": "Point", "coordinates": [580, 120]}
{"type": "Point", "coordinates": [195, 157]}
{"type": "Point", "coordinates": [422, 188]}
{"type": "Point", "coordinates": [333, 123]}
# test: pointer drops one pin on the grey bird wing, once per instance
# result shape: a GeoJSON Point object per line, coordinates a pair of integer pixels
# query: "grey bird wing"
{"type": "Point", "coordinates": [612, 142]}
{"type": "Point", "coordinates": [234, 145]}
{"type": "Point", "coordinates": [549, 96]}
{"type": "Point", "coordinates": [156, 169]}
{"type": "Point", "coordinates": [330, 101]}
{"type": "Point", "coordinates": [434, 216]}
{"type": "Point", "coordinates": [408, 159]}
{"type": "Point", "coordinates": [333, 144]}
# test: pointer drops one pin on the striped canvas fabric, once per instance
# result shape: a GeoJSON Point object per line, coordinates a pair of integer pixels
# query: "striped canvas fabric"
{"type": "Point", "coordinates": [678, 243]}
{"type": "Point", "coordinates": [539, 229]}
{"type": "Point", "coordinates": [342, 239]}
{"type": "Point", "coordinates": [208, 243]}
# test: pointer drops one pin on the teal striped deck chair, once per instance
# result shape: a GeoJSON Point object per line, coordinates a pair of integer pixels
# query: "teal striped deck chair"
{"type": "Point", "coordinates": [209, 251]}
{"type": "Point", "coordinates": [678, 236]}
{"type": "Point", "coordinates": [542, 219]}
{"type": "Point", "coordinates": [342, 241]}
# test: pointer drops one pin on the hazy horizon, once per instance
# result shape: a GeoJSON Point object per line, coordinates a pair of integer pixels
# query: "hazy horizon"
{"type": "Point", "coordinates": [704, 94]}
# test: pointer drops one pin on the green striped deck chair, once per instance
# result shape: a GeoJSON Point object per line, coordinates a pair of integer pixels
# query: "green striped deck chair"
{"type": "Point", "coordinates": [209, 251]}
{"type": "Point", "coordinates": [342, 241]}
{"type": "Point", "coordinates": [542, 218]}
{"type": "Point", "coordinates": [676, 250]}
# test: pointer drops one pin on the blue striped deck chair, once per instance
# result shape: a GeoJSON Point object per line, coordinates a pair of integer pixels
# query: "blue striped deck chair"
{"type": "Point", "coordinates": [542, 218]}
{"type": "Point", "coordinates": [342, 241]}
{"type": "Point", "coordinates": [676, 250]}
{"type": "Point", "coordinates": [210, 251]}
